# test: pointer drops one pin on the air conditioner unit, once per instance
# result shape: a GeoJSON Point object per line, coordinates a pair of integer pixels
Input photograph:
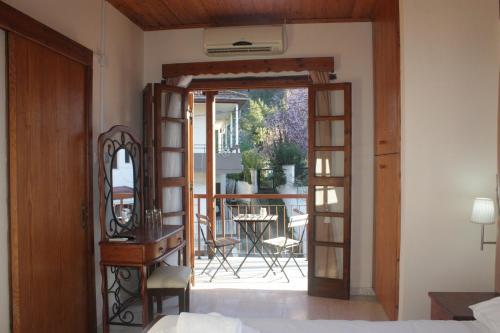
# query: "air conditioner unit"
{"type": "Point", "coordinates": [223, 42]}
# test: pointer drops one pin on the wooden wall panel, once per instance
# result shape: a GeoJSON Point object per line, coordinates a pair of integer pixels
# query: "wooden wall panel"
{"type": "Point", "coordinates": [387, 91]}
{"type": "Point", "coordinates": [386, 236]}
{"type": "Point", "coordinates": [387, 84]}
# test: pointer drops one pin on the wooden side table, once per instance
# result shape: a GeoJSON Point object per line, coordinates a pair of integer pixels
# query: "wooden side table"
{"type": "Point", "coordinates": [455, 305]}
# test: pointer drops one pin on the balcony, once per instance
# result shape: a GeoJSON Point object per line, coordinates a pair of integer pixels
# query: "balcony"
{"type": "Point", "coordinates": [227, 207]}
{"type": "Point", "coordinates": [228, 160]}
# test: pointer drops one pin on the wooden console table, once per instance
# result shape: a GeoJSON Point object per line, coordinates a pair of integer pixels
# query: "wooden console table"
{"type": "Point", "coordinates": [147, 248]}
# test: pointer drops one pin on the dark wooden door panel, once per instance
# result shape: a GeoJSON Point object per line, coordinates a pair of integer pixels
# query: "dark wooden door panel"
{"type": "Point", "coordinates": [48, 133]}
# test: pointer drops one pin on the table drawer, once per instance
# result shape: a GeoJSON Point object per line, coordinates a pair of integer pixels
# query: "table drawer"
{"type": "Point", "coordinates": [121, 254]}
{"type": "Point", "coordinates": [155, 250]}
{"type": "Point", "coordinates": [175, 240]}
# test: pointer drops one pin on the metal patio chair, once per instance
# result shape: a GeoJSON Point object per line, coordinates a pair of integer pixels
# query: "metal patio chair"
{"type": "Point", "coordinates": [216, 246]}
{"type": "Point", "coordinates": [283, 244]}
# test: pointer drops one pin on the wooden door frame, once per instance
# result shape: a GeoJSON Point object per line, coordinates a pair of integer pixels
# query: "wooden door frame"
{"type": "Point", "coordinates": [212, 86]}
{"type": "Point", "coordinates": [16, 22]}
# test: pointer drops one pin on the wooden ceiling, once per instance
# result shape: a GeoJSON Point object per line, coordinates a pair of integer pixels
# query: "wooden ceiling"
{"type": "Point", "coordinates": [179, 14]}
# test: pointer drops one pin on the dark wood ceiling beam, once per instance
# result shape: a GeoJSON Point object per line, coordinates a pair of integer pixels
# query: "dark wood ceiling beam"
{"type": "Point", "coordinates": [324, 64]}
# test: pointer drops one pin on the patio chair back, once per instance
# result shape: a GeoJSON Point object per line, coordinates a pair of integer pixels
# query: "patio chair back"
{"type": "Point", "coordinates": [204, 220]}
{"type": "Point", "coordinates": [299, 221]}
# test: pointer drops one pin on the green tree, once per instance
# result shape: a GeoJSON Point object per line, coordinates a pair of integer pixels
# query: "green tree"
{"type": "Point", "coordinates": [285, 153]}
{"type": "Point", "coordinates": [253, 129]}
{"type": "Point", "coordinates": [270, 97]}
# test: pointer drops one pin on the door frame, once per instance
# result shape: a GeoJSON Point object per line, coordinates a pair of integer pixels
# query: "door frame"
{"type": "Point", "coordinates": [316, 286]}
{"type": "Point", "coordinates": [289, 82]}
{"type": "Point", "coordinates": [14, 21]}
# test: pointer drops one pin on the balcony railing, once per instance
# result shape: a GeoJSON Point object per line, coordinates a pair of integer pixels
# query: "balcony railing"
{"type": "Point", "coordinates": [230, 205]}
{"type": "Point", "coordinates": [199, 148]}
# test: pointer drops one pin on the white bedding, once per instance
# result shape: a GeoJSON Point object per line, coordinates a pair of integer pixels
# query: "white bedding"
{"type": "Point", "coordinates": [167, 325]}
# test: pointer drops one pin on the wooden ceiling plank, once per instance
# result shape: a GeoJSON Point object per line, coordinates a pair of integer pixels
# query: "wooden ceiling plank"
{"type": "Point", "coordinates": [178, 14]}
{"type": "Point", "coordinates": [164, 13]}
{"type": "Point", "coordinates": [134, 14]}
{"type": "Point", "coordinates": [249, 66]}
{"type": "Point", "coordinates": [189, 11]}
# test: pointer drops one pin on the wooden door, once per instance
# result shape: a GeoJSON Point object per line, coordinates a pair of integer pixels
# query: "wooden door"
{"type": "Point", "coordinates": [50, 196]}
{"type": "Point", "coordinates": [171, 156]}
{"type": "Point", "coordinates": [329, 203]}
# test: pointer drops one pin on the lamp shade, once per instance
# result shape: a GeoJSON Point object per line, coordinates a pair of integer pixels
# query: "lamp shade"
{"type": "Point", "coordinates": [483, 211]}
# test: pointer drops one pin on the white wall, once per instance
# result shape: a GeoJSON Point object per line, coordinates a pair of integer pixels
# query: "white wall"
{"type": "Point", "coordinates": [119, 80]}
{"type": "Point", "coordinates": [4, 222]}
{"type": "Point", "coordinates": [351, 45]}
{"type": "Point", "coordinates": [450, 65]}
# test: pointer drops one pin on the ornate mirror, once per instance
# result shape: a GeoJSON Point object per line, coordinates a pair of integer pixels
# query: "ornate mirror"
{"type": "Point", "coordinates": [120, 182]}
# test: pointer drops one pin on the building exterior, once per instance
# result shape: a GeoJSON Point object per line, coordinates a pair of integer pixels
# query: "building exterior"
{"type": "Point", "coordinates": [228, 105]}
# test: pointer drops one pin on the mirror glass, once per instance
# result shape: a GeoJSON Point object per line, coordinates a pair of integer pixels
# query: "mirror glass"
{"type": "Point", "coordinates": [122, 170]}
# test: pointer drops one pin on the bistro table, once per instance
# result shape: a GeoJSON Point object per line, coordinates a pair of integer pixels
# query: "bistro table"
{"type": "Point", "coordinates": [248, 223]}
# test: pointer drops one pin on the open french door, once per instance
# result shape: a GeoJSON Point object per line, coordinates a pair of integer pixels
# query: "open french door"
{"type": "Point", "coordinates": [329, 204]}
{"type": "Point", "coordinates": [167, 159]}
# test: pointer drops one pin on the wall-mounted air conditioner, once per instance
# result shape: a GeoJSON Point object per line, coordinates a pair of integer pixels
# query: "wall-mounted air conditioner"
{"type": "Point", "coordinates": [232, 41]}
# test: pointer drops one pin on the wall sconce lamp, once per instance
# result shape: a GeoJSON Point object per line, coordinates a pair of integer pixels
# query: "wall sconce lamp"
{"type": "Point", "coordinates": [483, 212]}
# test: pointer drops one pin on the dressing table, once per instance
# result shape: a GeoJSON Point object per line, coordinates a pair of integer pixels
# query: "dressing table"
{"type": "Point", "coordinates": [129, 246]}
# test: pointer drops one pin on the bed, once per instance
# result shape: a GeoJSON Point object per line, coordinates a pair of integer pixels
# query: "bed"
{"type": "Point", "coordinates": [167, 324]}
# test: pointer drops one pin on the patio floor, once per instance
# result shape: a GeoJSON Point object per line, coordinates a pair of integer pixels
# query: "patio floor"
{"type": "Point", "coordinates": [251, 275]}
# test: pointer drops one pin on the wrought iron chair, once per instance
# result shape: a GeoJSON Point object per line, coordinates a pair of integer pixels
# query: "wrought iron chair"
{"type": "Point", "coordinates": [283, 244]}
{"type": "Point", "coordinates": [216, 246]}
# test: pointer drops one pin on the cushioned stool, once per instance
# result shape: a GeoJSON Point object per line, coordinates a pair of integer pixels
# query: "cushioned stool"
{"type": "Point", "coordinates": [169, 281]}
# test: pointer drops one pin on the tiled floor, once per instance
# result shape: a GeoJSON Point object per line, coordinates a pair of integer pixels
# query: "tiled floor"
{"type": "Point", "coordinates": [271, 297]}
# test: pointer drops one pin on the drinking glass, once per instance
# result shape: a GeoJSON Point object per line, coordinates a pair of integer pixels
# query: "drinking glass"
{"type": "Point", "coordinates": [158, 218]}
{"type": "Point", "coordinates": [263, 211]}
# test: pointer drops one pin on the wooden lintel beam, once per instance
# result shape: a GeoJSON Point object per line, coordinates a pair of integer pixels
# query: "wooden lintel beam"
{"type": "Point", "coordinates": [253, 82]}
{"type": "Point", "coordinates": [324, 64]}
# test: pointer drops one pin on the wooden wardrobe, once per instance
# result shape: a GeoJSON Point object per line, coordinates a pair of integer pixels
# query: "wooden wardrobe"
{"type": "Point", "coordinates": [387, 202]}
{"type": "Point", "coordinates": [50, 173]}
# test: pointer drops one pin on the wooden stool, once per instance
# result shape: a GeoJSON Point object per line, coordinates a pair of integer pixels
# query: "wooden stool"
{"type": "Point", "coordinates": [169, 281]}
